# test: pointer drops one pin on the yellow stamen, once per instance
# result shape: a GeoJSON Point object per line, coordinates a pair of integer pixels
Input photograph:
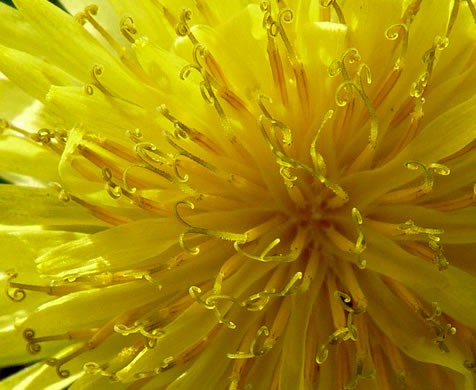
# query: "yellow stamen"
{"type": "Point", "coordinates": [439, 258]}
{"type": "Point", "coordinates": [343, 97]}
{"type": "Point", "coordinates": [96, 72]}
{"type": "Point", "coordinates": [241, 238]}
{"type": "Point", "coordinates": [168, 15]}
{"type": "Point", "coordinates": [207, 91]}
{"type": "Point", "coordinates": [94, 368]}
{"type": "Point", "coordinates": [255, 350]}
{"type": "Point", "coordinates": [393, 34]}
{"type": "Point", "coordinates": [128, 29]}
{"type": "Point", "coordinates": [429, 58]}
{"type": "Point", "coordinates": [360, 244]}
{"type": "Point", "coordinates": [411, 11]}
{"type": "Point", "coordinates": [207, 13]}
{"type": "Point", "coordinates": [273, 53]}
{"type": "Point", "coordinates": [149, 331]}
{"type": "Point", "coordinates": [408, 194]}
{"type": "Point", "coordinates": [472, 8]}
{"type": "Point", "coordinates": [359, 376]}
{"type": "Point", "coordinates": [440, 331]}
{"type": "Point", "coordinates": [335, 5]}
{"type": "Point", "coordinates": [99, 212]}
{"type": "Point", "coordinates": [453, 16]}
{"type": "Point", "coordinates": [344, 333]}
{"type": "Point", "coordinates": [34, 347]}
{"type": "Point", "coordinates": [297, 247]}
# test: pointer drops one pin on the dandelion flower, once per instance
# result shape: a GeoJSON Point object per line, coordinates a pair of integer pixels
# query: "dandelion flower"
{"type": "Point", "coordinates": [239, 194]}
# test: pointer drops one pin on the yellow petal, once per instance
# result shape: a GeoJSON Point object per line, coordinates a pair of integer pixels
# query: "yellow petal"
{"type": "Point", "coordinates": [33, 75]}
{"type": "Point", "coordinates": [21, 156]}
{"type": "Point", "coordinates": [39, 206]}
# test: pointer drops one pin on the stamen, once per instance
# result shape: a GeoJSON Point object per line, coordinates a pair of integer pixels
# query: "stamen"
{"type": "Point", "coordinates": [338, 10]}
{"type": "Point", "coordinates": [258, 301]}
{"type": "Point", "coordinates": [210, 304]}
{"type": "Point", "coordinates": [255, 302]}
{"type": "Point", "coordinates": [310, 272]}
{"type": "Point", "coordinates": [151, 336]}
{"type": "Point", "coordinates": [96, 72]}
{"type": "Point", "coordinates": [360, 244]}
{"type": "Point", "coordinates": [87, 16]}
{"type": "Point", "coordinates": [343, 97]}
{"type": "Point", "coordinates": [439, 169]}
{"type": "Point", "coordinates": [150, 156]}
{"type": "Point", "coordinates": [94, 368]}
{"type": "Point", "coordinates": [255, 350]}
{"type": "Point", "coordinates": [408, 194]}
{"type": "Point", "coordinates": [185, 153]}
{"type": "Point", "coordinates": [283, 160]}
{"type": "Point", "coordinates": [114, 190]}
{"type": "Point", "coordinates": [183, 132]}
{"type": "Point", "coordinates": [98, 212]}
{"type": "Point", "coordinates": [275, 124]}
{"type": "Point", "coordinates": [207, 13]}
{"type": "Point", "coordinates": [183, 29]}
{"type": "Point", "coordinates": [128, 29]}
{"type": "Point", "coordinates": [98, 338]}
{"type": "Point", "coordinates": [349, 332]}
{"type": "Point", "coordinates": [14, 290]}
{"type": "Point", "coordinates": [318, 162]}
{"type": "Point", "coordinates": [392, 33]}
{"type": "Point", "coordinates": [53, 139]}
{"type": "Point", "coordinates": [168, 15]}
{"type": "Point", "coordinates": [472, 8]}
{"type": "Point", "coordinates": [297, 246]}
{"type": "Point", "coordinates": [411, 11]}
{"type": "Point", "coordinates": [339, 66]}
{"type": "Point", "coordinates": [206, 88]}
{"type": "Point", "coordinates": [453, 16]}
{"type": "Point", "coordinates": [167, 364]}
{"type": "Point", "coordinates": [34, 347]}
{"type": "Point", "coordinates": [58, 363]}
{"type": "Point", "coordinates": [274, 28]}
{"type": "Point", "coordinates": [429, 58]}
{"type": "Point", "coordinates": [111, 146]}
{"type": "Point", "coordinates": [439, 258]}
{"type": "Point", "coordinates": [287, 16]}
{"type": "Point", "coordinates": [273, 52]}
{"type": "Point", "coordinates": [170, 361]}
{"type": "Point", "coordinates": [185, 177]}
{"type": "Point", "coordinates": [440, 331]}
{"type": "Point", "coordinates": [359, 376]}
{"type": "Point", "coordinates": [180, 130]}
{"type": "Point", "coordinates": [241, 238]}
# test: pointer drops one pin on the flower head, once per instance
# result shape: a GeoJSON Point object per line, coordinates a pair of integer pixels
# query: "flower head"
{"type": "Point", "coordinates": [239, 194]}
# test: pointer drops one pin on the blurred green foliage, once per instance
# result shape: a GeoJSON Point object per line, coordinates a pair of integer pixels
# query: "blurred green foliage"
{"type": "Point", "coordinates": [9, 2]}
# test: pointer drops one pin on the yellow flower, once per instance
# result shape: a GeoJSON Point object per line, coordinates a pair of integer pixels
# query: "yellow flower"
{"type": "Point", "coordinates": [239, 194]}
